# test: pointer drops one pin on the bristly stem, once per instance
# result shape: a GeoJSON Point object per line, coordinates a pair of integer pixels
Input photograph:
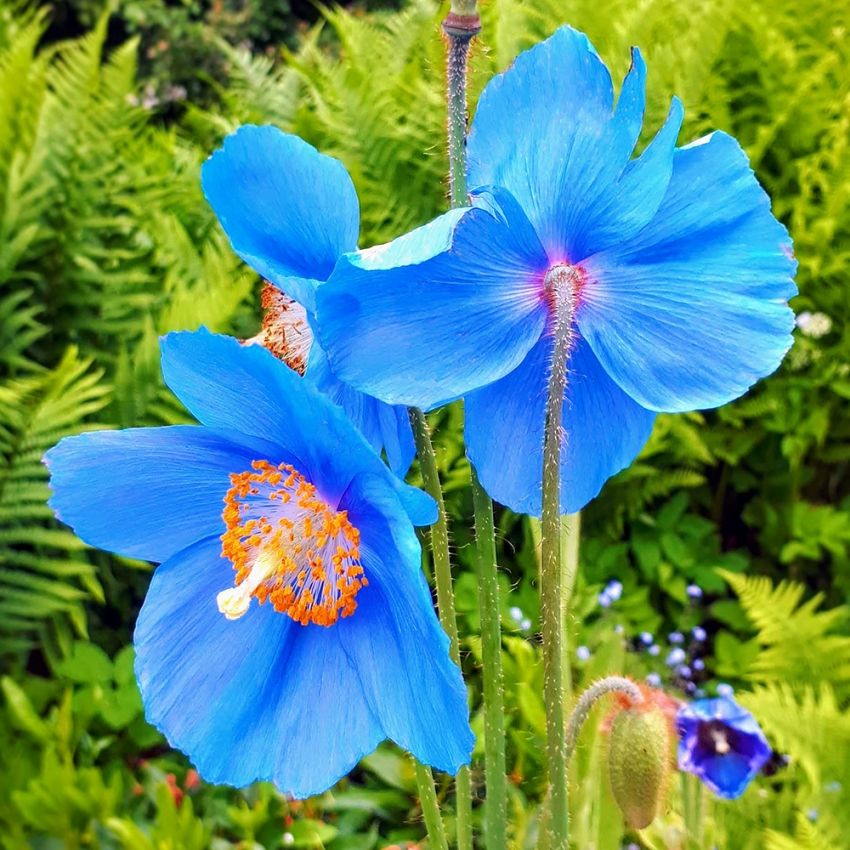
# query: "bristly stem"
{"type": "Point", "coordinates": [460, 27]}
{"type": "Point", "coordinates": [608, 685]}
{"type": "Point", "coordinates": [430, 807]}
{"type": "Point", "coordinates": [445, 600]}
{"type": "Point", "coordinates": [495, 803]}
{"type": "Point", "coordinates": [560, 285]}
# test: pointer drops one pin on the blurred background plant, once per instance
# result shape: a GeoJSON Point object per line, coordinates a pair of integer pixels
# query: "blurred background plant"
{"type": "Point", "coordinates": [720, 559]}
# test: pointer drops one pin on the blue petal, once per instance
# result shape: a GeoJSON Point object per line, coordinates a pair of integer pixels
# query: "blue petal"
{"type": "Point", "coordinates": [289, 211]}
{"type": "Point", "coordinates": [604, 431]}
{"type": "Point", "coordinates": [259, 698]}
{"type": "Point", "coordinates": [545, 131]}
{"type": "Point", "coordinates": [692, 311]}
{"type": "Point", "coordinates": [385, 427]}
{"type": "Point", "coordinates": [462, 309]}
{"type": "Point", "coordinates": [395, 641]}
{"type": "Point", "coordinates": [245, 389]}
{"type": "Point", "coordinates": [147, 492]}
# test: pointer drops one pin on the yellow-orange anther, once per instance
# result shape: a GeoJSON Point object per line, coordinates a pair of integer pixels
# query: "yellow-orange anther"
{"type": "Point", "coordinates": [288, 547]}
{"type": "Point", "coordinates": [285, 332]}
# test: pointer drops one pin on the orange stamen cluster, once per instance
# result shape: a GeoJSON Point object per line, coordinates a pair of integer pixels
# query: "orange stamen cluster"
{"type": "Point", "coordinates": [286, 332]}
{"type": "Point", "coordinates": [288, 547]}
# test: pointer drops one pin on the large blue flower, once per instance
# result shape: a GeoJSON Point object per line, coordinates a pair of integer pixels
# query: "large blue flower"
{"type": "Point", "coordinates": [722, 744]}
{"type": "Point", "coordinates": [290, 213]}
{"type": "Point", "coordinates": [679, 274]}
{"type": "Point", "coordinates": [274, 499]}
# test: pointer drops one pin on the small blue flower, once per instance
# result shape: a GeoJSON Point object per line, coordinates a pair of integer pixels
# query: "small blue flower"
{"type": "Point", "coordinates": [683, 671]}
{"type": "Point", "coordinates": [699, 634]}
{"type": "Point", "coordinates": [583, 653]}
{"type": "Point", "coordinates": [698, 664]}
{"type": "Point", "coordinates": [676, 638]}
{"type": "Point", "coordinates": [725, 691]}
{"type": "Point", "coordinates": [614, 589]}
{"type": "Point", "coordinates": [290, 212]}
{"type": "Point", "coordinates": [604, 600]}
{"type": "Point", "coordinates": [289, 628]}
{"type": "Point", "coordinates": [676, 656]}
{"type": "Point", "coordinates": [646, 638]}
{"type": "Point", "coordinates": [678, 272]}
{"type": "Point", "coordinates": [812, 814]}
{"type": "Point", "coordinates": [694, 591]}
{"type": "Point", "coordinates": [722, 744]}
{"type": "Point", "coordinates": [653, 679]}
{"type": "Point", "coordinates": [654, 650]}
{"type": "Point", "coordinates": [516, 613]}
{"type": "Point", "coordinates": [833, 787]}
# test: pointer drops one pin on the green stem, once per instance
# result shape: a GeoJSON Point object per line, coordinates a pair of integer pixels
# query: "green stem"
{"type": "Point", "coordinates": [560, 281]}
{"type": "Point", "coordinates": [445, 597]}
{"type": "Point", "coordinates": [460, 27]}
{"type": "Point", "coordinates": [430, 808]}
{"type": "Point", "coordinates": [495, 803]}
{"type": "Point", "coordinates": [586, 702]}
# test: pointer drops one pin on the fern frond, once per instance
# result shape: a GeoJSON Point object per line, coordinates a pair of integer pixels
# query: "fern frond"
{"type": "Point", "coordinates": [798, 641]}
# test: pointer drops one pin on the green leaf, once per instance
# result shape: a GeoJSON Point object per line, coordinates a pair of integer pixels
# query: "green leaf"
{"type": "Point", "coordinates": [86, 663]}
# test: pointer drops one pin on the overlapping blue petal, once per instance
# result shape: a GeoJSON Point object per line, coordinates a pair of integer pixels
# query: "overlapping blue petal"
{"type": "Point", "coordinates": [604, 429]}
{"type": "Point", "coordinates": [244, 388]}
{"type": "Point", "coordinates": [258, 698]}
{"type": "Point", "coordinates": [399, 650]}
{"type": "Point", "coordinates": [288, 210]}
{"type": "Point", "coordinates": [382, 425]}
{"type": "Point", "coordinates": [691, 312]}
{"type": "Point", "coordinates": [148, 492]}
{"type": "Point", "coordinates": [453, 305]}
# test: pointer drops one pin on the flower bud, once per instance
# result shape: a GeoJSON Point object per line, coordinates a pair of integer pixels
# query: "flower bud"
{"type": "Point", "coordinates": [639, 761]}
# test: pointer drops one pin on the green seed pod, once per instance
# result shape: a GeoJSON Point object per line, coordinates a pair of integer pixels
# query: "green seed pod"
{"type": "Point", "coordinates": [639, 762]}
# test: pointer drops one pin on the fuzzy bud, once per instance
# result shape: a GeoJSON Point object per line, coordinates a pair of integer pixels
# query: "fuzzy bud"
{"type": "Point", "coordinates": [639, 761]}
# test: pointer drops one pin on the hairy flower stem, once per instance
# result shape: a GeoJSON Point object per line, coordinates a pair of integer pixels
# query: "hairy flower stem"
{"type": "Point", "coordinates": [445, 604]}
{"type": "Point", "coordinates": [460, 27]}
{"type": "Point", "coordinates": [560, 282]}
{"type": "Point", "coordinates": [430, 807]}
{"type": "Point", "coordinates": [586, 702]}
{"type": "Point", "coordinates": [495, 803]}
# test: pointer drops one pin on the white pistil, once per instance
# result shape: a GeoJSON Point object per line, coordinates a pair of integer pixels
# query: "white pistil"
{"type": "Point", "coordinates": [235, 601]}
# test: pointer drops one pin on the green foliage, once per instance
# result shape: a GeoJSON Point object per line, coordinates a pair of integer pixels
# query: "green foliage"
{"type": "Point", "coordinates": [105, 242]}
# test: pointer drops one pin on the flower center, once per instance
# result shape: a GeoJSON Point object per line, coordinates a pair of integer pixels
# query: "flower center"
{"type": "Point", "coordinates": [714, 735]}
{"type": "Point", "coordinates": [285, 332]}
{"type": "Point", "coordinates": [562, 286]}
{"type": "Point", "coordinates": [288, 547]}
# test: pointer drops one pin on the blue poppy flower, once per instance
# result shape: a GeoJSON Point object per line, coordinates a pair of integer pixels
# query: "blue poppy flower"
{"type": "Point", "coordinates": [275, 498]}
{"type": "Point", "coordinates": [290, 212]}
{"type": "Point", "coordinates": [722, 744]}
{"type": "Point", "coordinates": [679, 272]}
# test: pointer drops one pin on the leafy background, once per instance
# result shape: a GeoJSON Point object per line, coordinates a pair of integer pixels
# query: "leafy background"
{"type": "Point", "coordinates": [106, 113]}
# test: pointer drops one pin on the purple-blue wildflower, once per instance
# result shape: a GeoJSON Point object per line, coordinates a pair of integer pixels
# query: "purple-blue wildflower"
{"type": "Point", "coordinates": [722, 744]}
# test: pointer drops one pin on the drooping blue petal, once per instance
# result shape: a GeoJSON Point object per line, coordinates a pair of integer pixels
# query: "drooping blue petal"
{"type": "Point", "coordinates": [386, 427]}
{"type": "Point", "coordinates": [692, 311]}
{"type": "Point", "coordinates": [395, 641]}
{"type": "Point", "coordinates": [244, 388]}
{"type": "Point", "coordinates": [604, 431]}
{"type": "Point", "coordinates": [147, 492]}
{"type": "Point", "coordinates": [288, 210]}
{"type": "Point", "coordinates": [447, 308]}
{"type": "Point", "coordinates": [258, 698]}
{"type": "Point", "coordinates": [545, 131]}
